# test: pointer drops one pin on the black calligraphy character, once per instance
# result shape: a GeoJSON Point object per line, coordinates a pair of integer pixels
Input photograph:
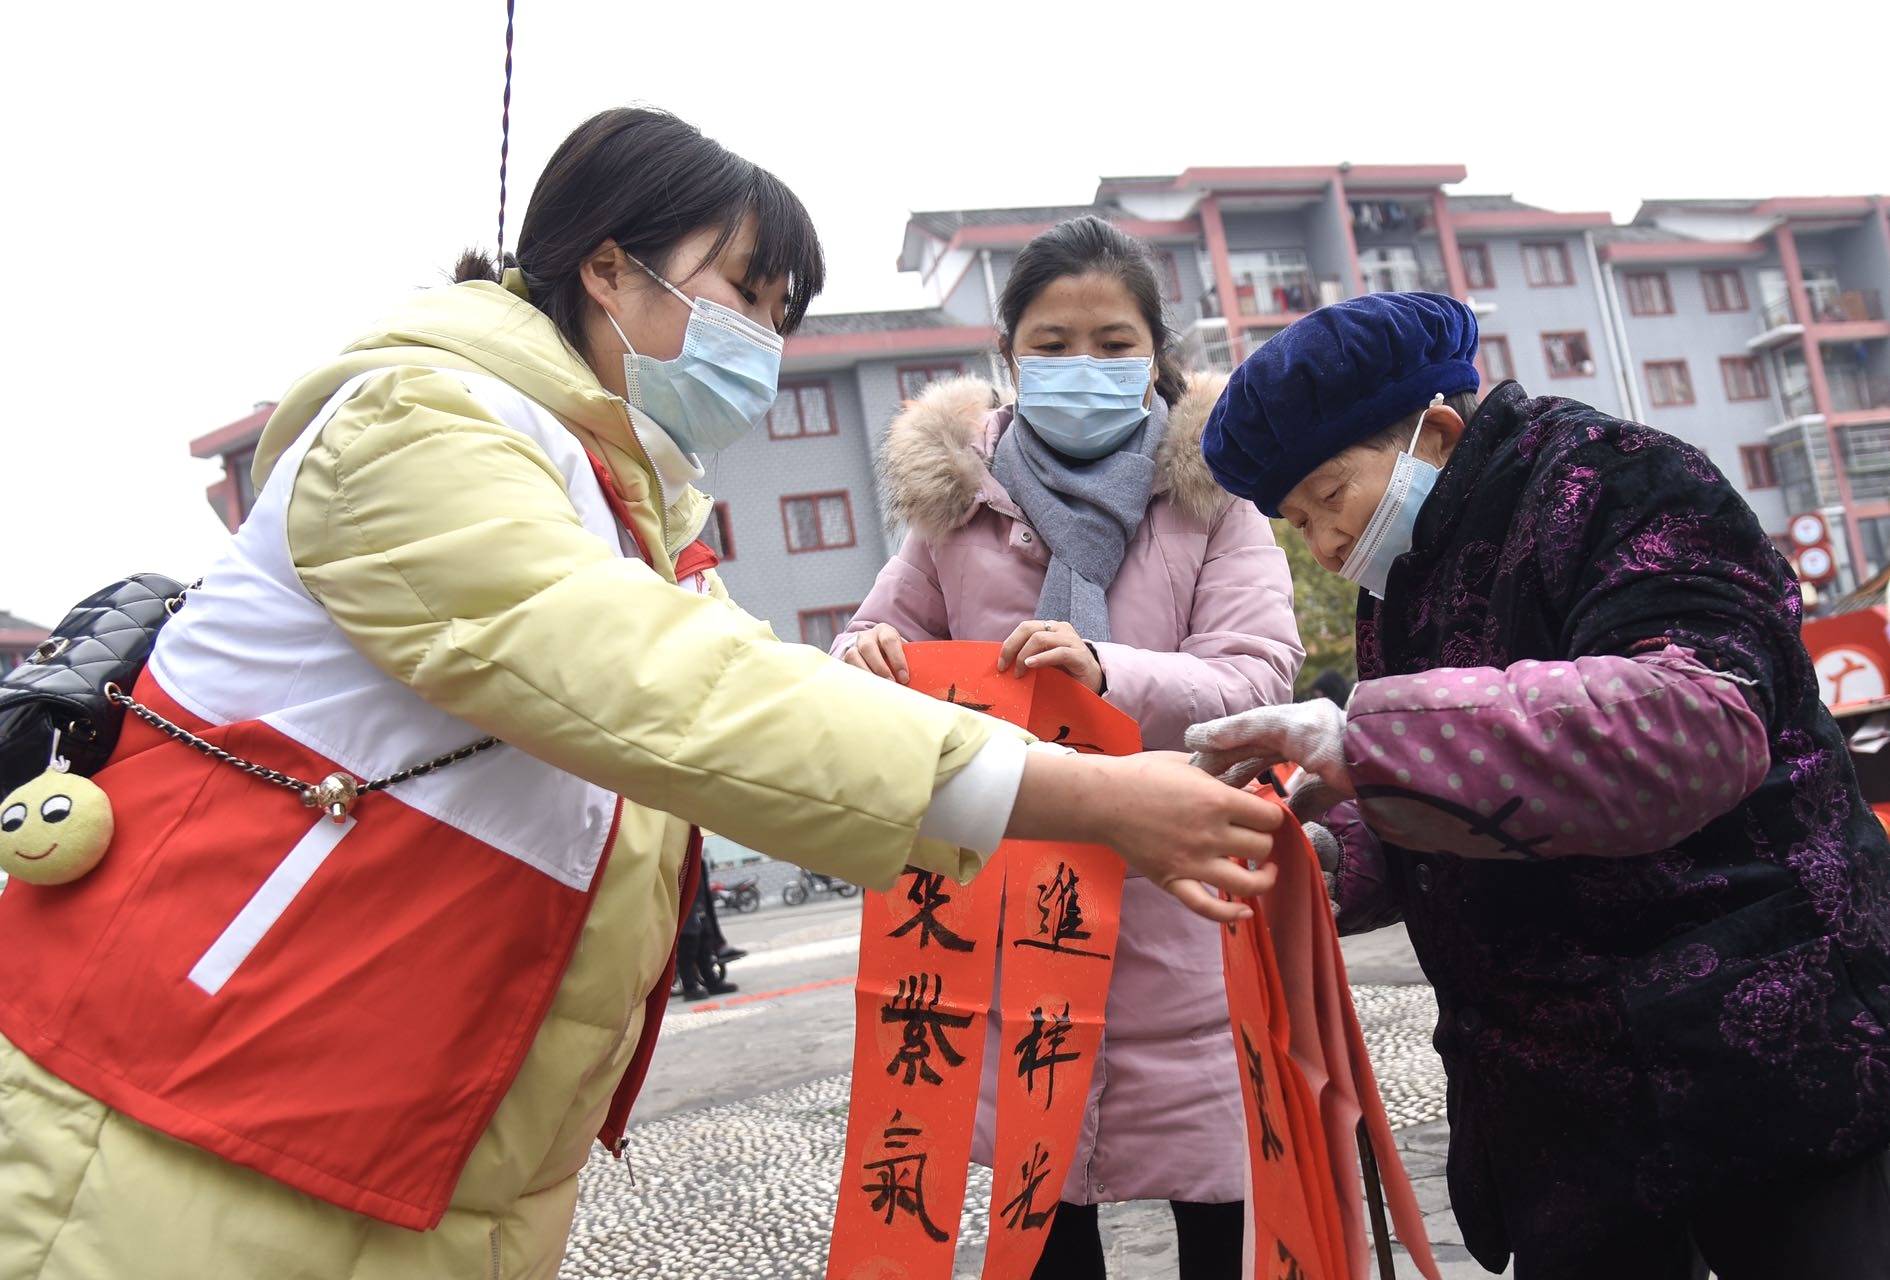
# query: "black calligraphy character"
{"type": "Point", "coordinates": [898, 1182]}
{"type": "Point", "coordinates": [1040, 1050]}
{"type": "Point", "coordinates": [1271, 1148]}
{"type": "Point", "coordinates": [916, 1005]}
{"type": "Point", "coordinates": [951, 696]}
{"type": "Point", "coordinates": [1292, 1271]}
{"type": "Point", "coordinates": [1060, 917]}
{"type": "Point", "coordinates": [1018, 1214]}
{"type": "Point", "coordinates": [927, 894]}
{"type": "Point", "coordinates": [1063, 740]}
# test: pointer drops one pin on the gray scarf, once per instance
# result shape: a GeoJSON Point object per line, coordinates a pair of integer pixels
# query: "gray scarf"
{"type": "Point", "coordinates": [1085, 512]}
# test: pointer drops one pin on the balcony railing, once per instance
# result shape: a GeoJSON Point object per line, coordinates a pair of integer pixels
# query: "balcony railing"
{"type": "Point", "coordinates": [1265, 293]}
{"type": "Point", "coordinates": [1828, 303]}
{"type": "Point", "coordinates": [1205, 347]}
{"type": "Point", "coordinates": [1403, 279]}
{"type": "Point", "coordinates": [1776, 314]}
{"type": "Point", "coordinates": [1856, 391]}
{"type": "Point", "coordinates": [1832, 305]}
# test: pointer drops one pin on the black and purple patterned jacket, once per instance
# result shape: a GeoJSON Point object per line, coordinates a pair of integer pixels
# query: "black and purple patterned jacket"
{"type": "Point", "coordinates": [1599, 787]}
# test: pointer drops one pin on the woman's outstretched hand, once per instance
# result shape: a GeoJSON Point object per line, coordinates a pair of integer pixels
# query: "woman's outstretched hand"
{"type": "Point", "coordinates": [1169, 821]}
{"type": "Point", "coordinates": [1308, 734]}
{"type": "Point", "coordinates": [881, 651]}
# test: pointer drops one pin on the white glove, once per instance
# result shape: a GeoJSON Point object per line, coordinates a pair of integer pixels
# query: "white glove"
{"type": "Point", "coordinates": [1310, 734]}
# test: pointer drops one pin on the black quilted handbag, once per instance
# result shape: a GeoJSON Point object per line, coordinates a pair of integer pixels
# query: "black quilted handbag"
{"type": "Point", "coordinates": [105, 640]}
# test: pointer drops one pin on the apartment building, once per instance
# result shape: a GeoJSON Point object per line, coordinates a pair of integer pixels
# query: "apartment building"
{"type": "Point", "coordinates": [1752, 328]}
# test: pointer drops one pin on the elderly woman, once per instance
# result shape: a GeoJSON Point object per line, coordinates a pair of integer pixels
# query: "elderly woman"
{"type": "Point", "coordinates": [1591, 772]}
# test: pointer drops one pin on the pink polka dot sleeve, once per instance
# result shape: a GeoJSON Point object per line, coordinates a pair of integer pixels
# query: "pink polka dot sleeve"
{"type": "Point", "coordinates": [1610, 756]}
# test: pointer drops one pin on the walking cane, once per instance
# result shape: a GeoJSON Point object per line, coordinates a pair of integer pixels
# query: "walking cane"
{"type": "Point", "coordinates": [1375, 1202]}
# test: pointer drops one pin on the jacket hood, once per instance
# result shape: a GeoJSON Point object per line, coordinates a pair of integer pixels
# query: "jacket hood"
{"type": "Point", "coordinates": [935, 468]}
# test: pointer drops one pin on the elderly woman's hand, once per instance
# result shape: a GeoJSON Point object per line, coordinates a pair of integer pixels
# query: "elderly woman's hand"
{"type": "Point", "coordinates": [1310, 734]}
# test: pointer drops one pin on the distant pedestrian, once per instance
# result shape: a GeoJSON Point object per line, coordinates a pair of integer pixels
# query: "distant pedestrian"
{"type": "Point", "coordinates": [698, 946]}
{"type": "Point", "coordinates": [1332, 686]}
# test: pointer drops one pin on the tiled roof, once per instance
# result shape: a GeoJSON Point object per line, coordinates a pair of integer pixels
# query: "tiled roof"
{"type": "Point", "coordinates": [1641, 235]}
{"type": "Point", "coordinates": [1489, 204]}
{"type": "Point", "coordinates": [13, 622]}
{"type": "Point", "coordinates": [877, 321]}
{"type": "Point", "coordinates": [943, 222]}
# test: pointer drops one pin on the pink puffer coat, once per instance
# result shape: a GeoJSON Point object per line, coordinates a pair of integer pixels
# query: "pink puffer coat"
{"type": "Point", "coordinates": [1201, 616]}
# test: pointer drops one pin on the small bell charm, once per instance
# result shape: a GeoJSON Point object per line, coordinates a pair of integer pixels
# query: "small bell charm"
{"type": "Point", "coordinates": [336, 794]}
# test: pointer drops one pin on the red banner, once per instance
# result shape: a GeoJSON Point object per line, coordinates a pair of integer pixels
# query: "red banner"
{"type": "Point", "coordinates": [1062, 913]}
{"type": "Point", "coordinates": [1307, 1084]}
{"type": "Point", "coordinates": [929, 963]}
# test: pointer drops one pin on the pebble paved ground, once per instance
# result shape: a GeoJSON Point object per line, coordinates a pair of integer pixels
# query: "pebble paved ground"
{"type": "Point", "coordinates": [746, 1188]}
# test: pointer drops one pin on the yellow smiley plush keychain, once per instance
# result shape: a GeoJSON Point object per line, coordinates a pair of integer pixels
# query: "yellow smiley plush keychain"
{"type": "Point", "coordinates": [55, 828]}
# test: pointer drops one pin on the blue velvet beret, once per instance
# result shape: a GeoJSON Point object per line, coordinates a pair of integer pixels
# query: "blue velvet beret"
{"type": "Point", "coordinates": [1330, 380]}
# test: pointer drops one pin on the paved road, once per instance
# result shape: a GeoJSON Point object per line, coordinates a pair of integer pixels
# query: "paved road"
{"type": "Point", "coordinates": [733, 1163]}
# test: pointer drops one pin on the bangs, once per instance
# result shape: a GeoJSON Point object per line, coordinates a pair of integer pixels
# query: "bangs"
{"type": "Point", "coordinates": [786, 245]}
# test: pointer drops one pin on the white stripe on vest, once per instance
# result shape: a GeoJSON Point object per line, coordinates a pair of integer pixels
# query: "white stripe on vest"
{"type": "Point", "coordinates": [252, 644]}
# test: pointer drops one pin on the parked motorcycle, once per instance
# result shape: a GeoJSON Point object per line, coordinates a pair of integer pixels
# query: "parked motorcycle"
{"type": "Point", "coordinates": [811, 884]}
{"type": "Point", "coordinates": [743, 896]}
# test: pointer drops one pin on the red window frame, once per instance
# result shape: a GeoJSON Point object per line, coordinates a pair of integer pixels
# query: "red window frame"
{"type": "Point", "coordinates": [838, 614]}
{"type": "Point", "coordinates": [1549, 362]}
{"type": "Point", "coordinates": [1557, 279]}
{"type": "Point", "coordinates": [1634, 282]}
{"type": "Point", "coordinates": [936, 372]}
{"type": "Point", "coordinates": [787, 525]}
{"type": "Point", "coordinates": [1170, 266]}
{"type": "Point", "coordinates": [1481, 275]}
{"type": "Point", "coordinates": [1719, 278]}
{"type": "Point", "coordinates": [1754, 388]}
{"type": "Point", "coordinates": [798, 388]}
{"type": "Point", "coordinates": [1495, 343]}
{"type": "Point", "coordinates": [1756, 461]}
{"type": "Point", "coordinates": [723, 521]}
{"type": "Point", "coordinates": [1685, 384]}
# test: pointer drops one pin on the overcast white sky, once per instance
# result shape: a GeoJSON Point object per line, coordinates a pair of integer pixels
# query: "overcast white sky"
{"type": "Point", "coordinates": [198, 201]}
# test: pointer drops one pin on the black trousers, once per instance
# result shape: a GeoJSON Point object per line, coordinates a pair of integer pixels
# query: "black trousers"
{"type": "Point", "coordinates": [1835, 1226]}
{"type": "Point", "coordinates": [1208, 1237]}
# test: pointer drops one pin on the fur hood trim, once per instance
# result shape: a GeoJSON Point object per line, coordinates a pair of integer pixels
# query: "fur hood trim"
{"type": "Point", "coordinates": [935, 468]}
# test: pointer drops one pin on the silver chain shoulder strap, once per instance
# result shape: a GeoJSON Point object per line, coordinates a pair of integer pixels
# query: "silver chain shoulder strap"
{"type": "Point", "coordinates": [335, 794]}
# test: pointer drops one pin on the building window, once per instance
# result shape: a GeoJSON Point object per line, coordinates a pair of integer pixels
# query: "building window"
{"type": "Point", "coordinates": [1476, 267]}
{"type": "Point", "coordinates": [1170, 267]}
{"type": "Point", "coordinates": [802, 409]}
{"type": "Point", "coordinates": [915, 378]}
{"type": "Point", "coordinates": [1725, 289]}
{"type": "Point", "coordinates": [818, 521]}
{"type": "Point", "coordinates": [1744, 377]}
{"type": "Point", "coordinates": [1547, 265]}
{"type": "Point", "coordinates": [1756, 459]}
{"type": "Point", "coordinates": [1493, 355]}
{"type": "Point", "coordinates": [821, 627]}
{"type": "Point", "coordinates": [719, 533]}
{"type": "Point", "coordinates": [1648, 294]}
{"type": "Point", "coordinates": [1668, 385]}
{"type": "Point", "coordinates": [1567, 355]}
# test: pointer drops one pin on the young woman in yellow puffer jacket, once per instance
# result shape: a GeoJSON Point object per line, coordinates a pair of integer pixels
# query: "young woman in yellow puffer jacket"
{"type": "Point", "coordinates": [257, 1042]}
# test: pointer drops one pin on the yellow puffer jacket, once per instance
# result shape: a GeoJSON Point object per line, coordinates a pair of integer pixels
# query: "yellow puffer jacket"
{"type": "Point", "coordinates": [447, 548]}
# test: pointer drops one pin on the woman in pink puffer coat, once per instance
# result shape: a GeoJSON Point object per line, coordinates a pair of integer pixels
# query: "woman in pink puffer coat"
{"type": "Point", "coordinates": [1110, 554]}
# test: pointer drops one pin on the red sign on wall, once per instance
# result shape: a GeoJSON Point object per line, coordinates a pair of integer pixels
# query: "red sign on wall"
{"type": "Point", "coordinates": [1851, 654]}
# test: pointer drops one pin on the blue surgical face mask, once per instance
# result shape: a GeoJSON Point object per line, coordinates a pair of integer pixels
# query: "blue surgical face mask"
{"type": "Point", "coordinates": [1389, 532]}
{"type": "Point", "coordinates": [1080, 405]}
{"type": "Point", "coordinates": [718, 388]}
